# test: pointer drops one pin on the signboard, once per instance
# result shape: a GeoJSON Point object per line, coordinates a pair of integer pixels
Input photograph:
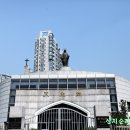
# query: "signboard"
{"type": "Point", "coordinates": [101, 122]}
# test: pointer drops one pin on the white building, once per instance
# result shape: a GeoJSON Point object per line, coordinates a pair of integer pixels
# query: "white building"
{"type": "Point", "coordinates": [60, 99]}
{"type": "Point", "coordinates": [47, 53]}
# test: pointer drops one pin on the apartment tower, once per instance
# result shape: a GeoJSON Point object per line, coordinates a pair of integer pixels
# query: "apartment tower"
{"type": "Point", "coordinates": [47, 53]}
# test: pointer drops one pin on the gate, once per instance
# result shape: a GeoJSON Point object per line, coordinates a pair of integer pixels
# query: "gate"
{"type": "Point", "coordinates": [64, 119]}
{"type": "Point", "coordinates": [61, 117]}
{"type": "Point", "coordinates": [120, 128]}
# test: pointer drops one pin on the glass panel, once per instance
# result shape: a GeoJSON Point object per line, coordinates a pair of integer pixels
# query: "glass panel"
{"type": "Point", "coordinates": [91, 83]}
{"type": "Point", "coordinates": [34, 80]}
{"type": "Point", "coordinates": [128, 105]}
{"type": "Point", "coordinates": [12, 99]}
{"type": "Point", "coordinates": [43, 86]}
{"type": "Point", "coordinates": [33, 87]}
{"type": "Point", "coordinates": [113, 98]}
{"type": "Point", "coordinates": [112, 91]}
{"type": "Point", "coordinates": [24, 80]}
{"type": "Point", "coordinates": [114, 107]}
{"type": "Point", "coordinates": [34, 83]}
{"type": "Point", "coordinates": [24, 83]}
{"type": "Point", "coordinates": [110, 83]}
{"type": "Point", "coordinates": [12, 93]}
{"type": "Point", "coordinates": [81, 83]}
{"type": "Point", "coordinates": [17, 86]}
{"type": "Point", "coordinates": [72, 83]}
{"type": "Point", "coordinates": [101, 83]}
{"type": "Point", "coordinates": [62, 83]}
{"type": "Point", "coordinates": [43, 83]}
{"type": "Point", "coordinates": [52, 83]}
{"type": "Point", "coordinates": [24, 86]}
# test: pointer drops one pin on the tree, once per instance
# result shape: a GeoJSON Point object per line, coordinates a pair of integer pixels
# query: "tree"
{"type": "Point", "coordinates": [122, 114]}
{"type": "Point", "coordinates": [123, 107]}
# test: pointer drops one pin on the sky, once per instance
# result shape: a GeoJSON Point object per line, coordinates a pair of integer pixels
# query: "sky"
{"type": "Point", "coordinates": [96, 33]}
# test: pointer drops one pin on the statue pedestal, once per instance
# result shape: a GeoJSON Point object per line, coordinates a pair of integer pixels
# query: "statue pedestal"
{"type": "Point", "coordinates": [65, 68]}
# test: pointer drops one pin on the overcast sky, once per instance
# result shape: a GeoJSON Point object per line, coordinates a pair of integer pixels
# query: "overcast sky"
{"type": "Point", "coordinates": [96, 33]}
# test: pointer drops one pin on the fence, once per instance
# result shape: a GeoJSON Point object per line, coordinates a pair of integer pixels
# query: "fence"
{"type": "Point", "coordinates": [120, 128]}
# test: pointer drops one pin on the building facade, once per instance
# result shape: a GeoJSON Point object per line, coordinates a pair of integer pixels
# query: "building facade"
{"type": "Point", "coordinates": [60, 99]}
{"type": "Point", "coordinates": [47, 53]}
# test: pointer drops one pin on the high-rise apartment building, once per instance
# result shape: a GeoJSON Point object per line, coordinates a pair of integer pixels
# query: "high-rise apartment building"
{"type": "Point", "coordinates": [47, 53]}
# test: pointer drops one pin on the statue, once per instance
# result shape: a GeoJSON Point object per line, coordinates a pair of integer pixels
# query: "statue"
{"type": "Point", "coordinates": [64, 58]}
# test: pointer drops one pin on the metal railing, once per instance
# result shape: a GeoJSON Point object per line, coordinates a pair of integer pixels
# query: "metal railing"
{"type": "Point", "coordinates": [120, 128]}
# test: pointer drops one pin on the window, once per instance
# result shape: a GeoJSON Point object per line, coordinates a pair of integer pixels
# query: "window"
{"type": "Point", "coordinates": [62, 83]}
{"type": "Point", "coordinates": [110, 83]}
{"type": "Point", "coordinates": [81, 83]}
{"type": "Point", "coordinates": [33, 87]}
{"type": "Point", "coordinates": [101, 83]}
{"type": "Point", "coordinates": [112, 91]}
{"type": "Point", "coordinates": [12, 100]}
{"type": "Point", "coordinates": [128, 105]}
{"type": "Point", "coordinates": [24, 86]}
{"type": "Point", "coordinates": [113, 98]}
{"type": "Point", "coordinates": [17, 86]}
{"type": "Point", "coordinates": [72, 83]}
{"type": "Point", "coordinates": [34, 83]}
{"type": "Point", "coordinates": [91, 83]}
{"type": "Point", "coordinates": [52, 83]}
{"type": "Point", "coordinates": [43, 84]}
{"type": "Point", "coordinates": [12, 93]}
{"type": "Point", "coordinates": [114, 107]}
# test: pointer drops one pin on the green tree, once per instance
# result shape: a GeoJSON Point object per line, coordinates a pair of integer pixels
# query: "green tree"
{"type": "Point", "coordinates": [122, 114]}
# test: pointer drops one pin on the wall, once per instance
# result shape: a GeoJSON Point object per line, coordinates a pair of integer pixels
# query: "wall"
{"type": "Point", "coordinates": [33, 100]}
{"type": "Point", "coordinates": [4, 100]}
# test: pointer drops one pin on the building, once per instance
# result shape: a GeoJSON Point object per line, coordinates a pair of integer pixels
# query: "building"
{"type": "Point", "coordinates": [47, 53]}
{"type": "Point", "coordinates": [61, 99]}
{"type": "Point", "coordinates": [42, 99]}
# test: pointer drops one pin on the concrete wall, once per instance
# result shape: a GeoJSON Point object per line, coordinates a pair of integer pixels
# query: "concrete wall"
{"type": "Point", "coordinates": [33, 100]}
{"type": "Point", "coordinates": [4, 100]}
{"type": "Point", "coordinates": [123, 89]}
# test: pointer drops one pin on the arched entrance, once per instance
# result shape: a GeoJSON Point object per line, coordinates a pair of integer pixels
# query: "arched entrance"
{"type": "Point", "coordinates": [63, 117]}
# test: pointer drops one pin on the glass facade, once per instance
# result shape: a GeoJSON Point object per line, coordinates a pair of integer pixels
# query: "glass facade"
{"type": "Point", "coordinates": [71, 83]}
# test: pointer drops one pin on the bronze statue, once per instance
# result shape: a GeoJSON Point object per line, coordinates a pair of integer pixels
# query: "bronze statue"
{"type": "Point", "coordinates": [64, 58]}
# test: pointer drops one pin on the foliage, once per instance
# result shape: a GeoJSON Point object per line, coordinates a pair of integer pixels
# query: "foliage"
{"type": "Point", "coordinates": [123, 107]}
{"type": "Point", "coordinates": [122, 114]}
